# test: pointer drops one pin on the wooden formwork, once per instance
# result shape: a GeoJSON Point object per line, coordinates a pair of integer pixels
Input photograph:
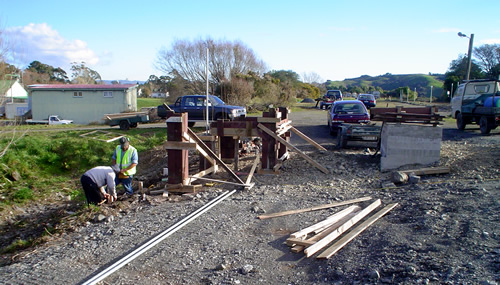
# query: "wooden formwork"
{"type": "Point", "coordinates": [274, 129]}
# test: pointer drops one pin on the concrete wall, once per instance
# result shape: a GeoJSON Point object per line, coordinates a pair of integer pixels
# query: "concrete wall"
{"type": "Point", "coordinates": [15, 109]}
{"type": "Point", "coordinates": [403, 144]}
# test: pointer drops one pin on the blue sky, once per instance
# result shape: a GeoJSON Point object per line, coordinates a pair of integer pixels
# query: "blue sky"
{"type": "Point", "coordinates": [334, 39]}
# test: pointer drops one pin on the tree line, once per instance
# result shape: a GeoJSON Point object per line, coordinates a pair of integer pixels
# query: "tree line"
{"type": "Point", "coordinates": [235, 73]}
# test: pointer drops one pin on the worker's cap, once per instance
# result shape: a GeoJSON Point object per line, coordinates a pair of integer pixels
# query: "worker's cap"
{"type": "Point", "coordinates": [115, 168]}
{"type": "Point", "coordinates": [124, 141]}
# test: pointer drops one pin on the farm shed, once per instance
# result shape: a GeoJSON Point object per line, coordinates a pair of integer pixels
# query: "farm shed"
{"type": "Point", "coordinates": [82, 103]}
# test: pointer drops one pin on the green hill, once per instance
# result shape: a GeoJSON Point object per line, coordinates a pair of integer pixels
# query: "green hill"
{"type": "Point", "coordinates": [390, 82]}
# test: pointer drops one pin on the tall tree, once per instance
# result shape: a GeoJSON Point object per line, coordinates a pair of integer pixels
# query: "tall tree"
{"type": "Point", "coordinates": [54, 74]}
{"type": "Point", "coordinates": [489, 59]}
{"type": "Point", "coordinates": [83, 74]}
{"type": "Point", "coordinates": [285, 76]}
{"type": "Point", "coordinates": [189, 60]}
{"type": "Point", "coordinates": [458, 67]}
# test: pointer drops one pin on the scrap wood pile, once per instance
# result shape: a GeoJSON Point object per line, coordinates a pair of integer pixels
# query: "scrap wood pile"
{"type": "Point", "coordinates": [324, 236]}
{"type": "Point", "coordinates": [420, 115]}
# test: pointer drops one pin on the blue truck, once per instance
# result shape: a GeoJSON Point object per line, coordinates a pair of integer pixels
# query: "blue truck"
{"type": "Point", "coordinates": [196, 107]}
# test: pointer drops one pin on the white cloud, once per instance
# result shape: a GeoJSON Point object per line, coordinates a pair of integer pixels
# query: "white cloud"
{"type": "Point", "coordinates": [41, 42]}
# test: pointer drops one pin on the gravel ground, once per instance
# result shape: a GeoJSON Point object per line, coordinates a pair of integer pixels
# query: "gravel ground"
{"type": "Point", "coordinates": [445, 229]}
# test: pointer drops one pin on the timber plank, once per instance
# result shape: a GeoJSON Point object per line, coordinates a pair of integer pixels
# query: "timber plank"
{"type": "Point", "coordinates": [325, 223]}
{"type": "Point", "coordinates": [252, 170]}
{"type": "Point", "coordinates": [321, 207]}
{"type": "Point", "coordinates": [340, 230]}
{"type": "Point", "coordinates": [355, 232]}
{"type": "Point", "coordinates": [179, 145]}
{"type": "Point", "coordinates": [302, 135]}
{"type": "Point", "coordinates": [325, 232]}
{"type": "Point", "coordinates": [428, 171]}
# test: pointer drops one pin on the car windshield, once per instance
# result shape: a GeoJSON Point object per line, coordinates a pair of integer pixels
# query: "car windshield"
{"type": "Point", "coordinates": [216, 101]}
{"type": "Point", "coordinates": [364, 97]}
{"type": "Point", "coordinates": [349, 108]}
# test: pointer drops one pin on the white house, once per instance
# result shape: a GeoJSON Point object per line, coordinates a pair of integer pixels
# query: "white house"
{"type": "Point", "coordinates": [82, 103]}
{"type": "Point", "coordinates": [159, 95]}
{"type": "Point", "coordinates": [13, 99]}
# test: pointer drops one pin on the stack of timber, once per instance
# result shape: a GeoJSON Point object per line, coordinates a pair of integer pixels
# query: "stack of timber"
{"type": "Point", "coordinates": [333, 233]}
{"type": "Point", "coordinates": [419, 115]}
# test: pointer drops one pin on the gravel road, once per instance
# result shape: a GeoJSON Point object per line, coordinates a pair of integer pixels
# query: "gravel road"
{"type": "Point", "coordinates": [445, 229]}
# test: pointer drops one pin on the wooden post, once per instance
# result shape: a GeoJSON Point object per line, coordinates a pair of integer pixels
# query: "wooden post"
{"type": "Point", "coordinates": [236, 153]}
{"type": "Point", "coordinates": [286, 136]}
{"type": "Point", "coordinates": [210, 142]}
{"type": "Point", "coordinates": [269, 147]}
{"type": "Point", "coordinates": [178, 162]}
{"type": "Point", "coordinates": [226, 143]}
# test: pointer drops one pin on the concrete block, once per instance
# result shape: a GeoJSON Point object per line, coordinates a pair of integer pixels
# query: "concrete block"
{"type": "Point", "coordinates": [402, 144]}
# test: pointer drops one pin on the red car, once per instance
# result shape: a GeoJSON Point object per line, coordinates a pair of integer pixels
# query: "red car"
{"type": "Point", "coordinates": [349, 112]}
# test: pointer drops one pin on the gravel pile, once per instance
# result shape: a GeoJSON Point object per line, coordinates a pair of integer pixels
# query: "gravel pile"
{"type": "Point", "coordinates": [445, 229]}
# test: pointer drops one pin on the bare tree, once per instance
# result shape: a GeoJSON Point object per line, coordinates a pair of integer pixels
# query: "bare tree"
{"type": "Point", "coordinates": [226, 59]}
{"type": "Point", "coordinates": [311, 77]}
{"type": "Point", "coordinates": [489, 56]}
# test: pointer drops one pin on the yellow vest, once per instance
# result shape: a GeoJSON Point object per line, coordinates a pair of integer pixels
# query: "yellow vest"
{"type": "Point", "coordinates": [126, 159]}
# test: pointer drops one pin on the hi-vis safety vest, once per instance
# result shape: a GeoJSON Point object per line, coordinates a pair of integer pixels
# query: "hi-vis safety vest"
{"type": "Point", "coordinates": [127, 159]}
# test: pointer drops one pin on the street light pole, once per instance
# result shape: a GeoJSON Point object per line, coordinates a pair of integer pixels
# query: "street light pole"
{"type": "Point", "coordinates": [430, 98]}
{"type": "Point", "coordinates": [469, 54]}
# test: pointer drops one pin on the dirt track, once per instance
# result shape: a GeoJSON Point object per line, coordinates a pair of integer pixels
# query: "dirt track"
{"type": "Point", "coordinates": [445, 229]}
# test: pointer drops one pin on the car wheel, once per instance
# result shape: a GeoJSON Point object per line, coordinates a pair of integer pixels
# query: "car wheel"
{"type": "Point", "coordinates": [191, 124]}
{"type": "Point", "coordinates": [484, 126]}
{"type": "Point", "coordinates": [333, 131]}
{"type": "Point", "coordinates": [341, 139]}
{"type": "Point", "coordinates": [124, 125]}
{"type": "Point", "coordinates": [460, 122]}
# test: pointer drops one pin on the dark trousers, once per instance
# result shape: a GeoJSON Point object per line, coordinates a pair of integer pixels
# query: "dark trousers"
{"type": "Point", "coordinates": [92, 192]}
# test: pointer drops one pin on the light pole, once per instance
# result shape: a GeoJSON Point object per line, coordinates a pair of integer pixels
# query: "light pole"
{"type": "Point", "coordinates": [469, 54]}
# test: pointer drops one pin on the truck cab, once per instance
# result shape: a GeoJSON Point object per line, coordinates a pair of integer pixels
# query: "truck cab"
{"type": "Point", "coordinates": [55, 120]}
{"type": "Point", "coordinates": [330, 97]}
{"type": "Point", "coordinates": [477, 101]}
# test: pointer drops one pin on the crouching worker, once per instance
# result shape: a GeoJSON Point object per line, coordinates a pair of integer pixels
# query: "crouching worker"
{"type": "Point", "coordinates": [94, 180]}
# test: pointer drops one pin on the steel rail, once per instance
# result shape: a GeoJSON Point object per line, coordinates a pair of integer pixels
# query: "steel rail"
{"type": "Point", "coordinates": [155, 240]}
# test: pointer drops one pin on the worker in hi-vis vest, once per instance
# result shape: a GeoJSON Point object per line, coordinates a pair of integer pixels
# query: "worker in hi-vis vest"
{"type": "Point", "coordinates": [125, 156]}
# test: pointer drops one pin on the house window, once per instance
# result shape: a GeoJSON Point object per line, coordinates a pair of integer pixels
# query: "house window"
{"type": "Point", "coordinates": [77, 94]}
{"type": "Point", "coordinates": [108, 94]}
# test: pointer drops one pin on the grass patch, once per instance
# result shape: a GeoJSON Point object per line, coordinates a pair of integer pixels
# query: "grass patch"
{"type": "Point", "coordinates": [42, 163]}
{"type": "Point", "coordinates": [17, 245]}
{"type": "Point", "coordinates": [149, 102]}
{"type": "Point", "coordinates": [22, 195]}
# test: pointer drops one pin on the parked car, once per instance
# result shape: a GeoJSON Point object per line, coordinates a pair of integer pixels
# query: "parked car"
{"type": "Point", "coordinates": [367, 99]}
{"type": "Point", "coordinates": [349, 112]}
{"type": "Point", "coordinates": [196, 107]}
